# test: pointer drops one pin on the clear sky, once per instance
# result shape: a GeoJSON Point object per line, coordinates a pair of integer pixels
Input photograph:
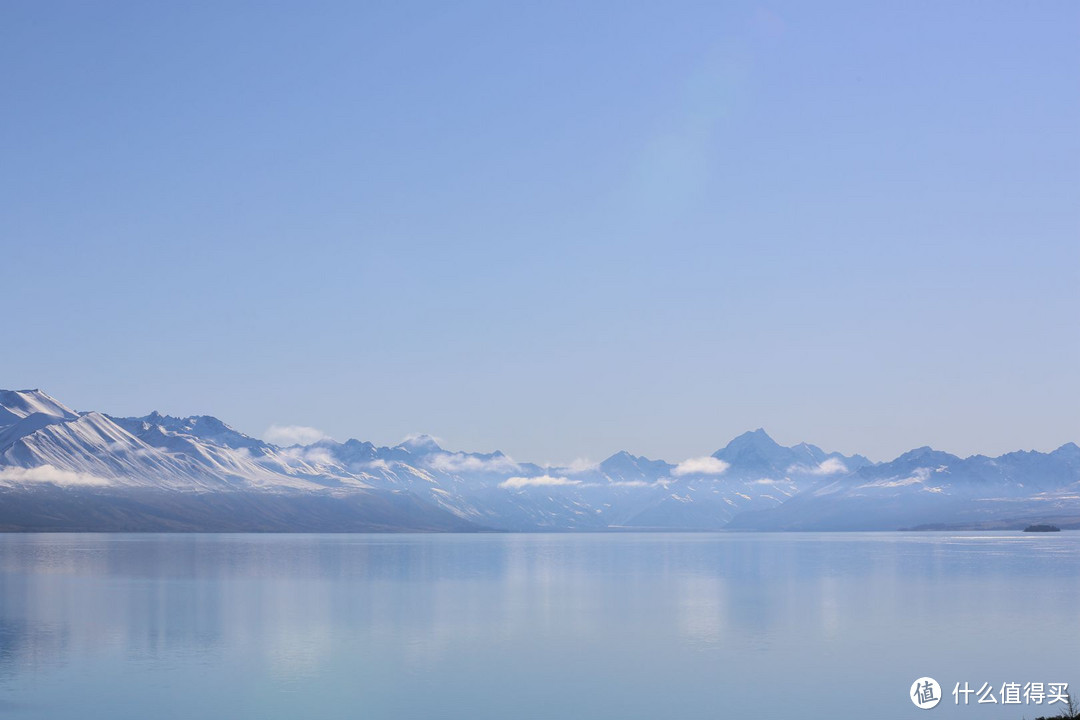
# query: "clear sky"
{"type": "Point", "coordinates": [559, 229]}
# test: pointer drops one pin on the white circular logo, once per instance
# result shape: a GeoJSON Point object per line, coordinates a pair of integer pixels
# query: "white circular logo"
{"type": "Point", "coordinates": [925, 693]}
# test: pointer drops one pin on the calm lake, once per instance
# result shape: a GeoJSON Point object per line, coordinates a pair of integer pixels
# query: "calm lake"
{"type": "Point", "coordinates": [504, 627]}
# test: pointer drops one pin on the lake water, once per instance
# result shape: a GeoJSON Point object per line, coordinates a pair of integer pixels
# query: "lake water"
{"type": "Point", "coordinates": [531, 626]}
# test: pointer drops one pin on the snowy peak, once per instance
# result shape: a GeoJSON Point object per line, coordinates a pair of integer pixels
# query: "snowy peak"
{"type": "Point", "coordinates": [95, 448]}
{"type": "Point", "coordinates": [620, 460]}
{"type": "Point", "coordinates": [755, 450]}
{"type": "Point", "coordinates": [350, 453]}
{"type": "Point", "coordinates": [926, 455]}
{"type": "Point", "coordinates": [16, 405]}
{"type": "Point", "coordinates": [28, 425]}
{"type": "Point", "coordinates": [205, 428]}
{"type": "Point", "coordinates": [756, 454]}
{"type": "Point", "coordinates": [352, 445]}
{"type": "Point", "coordinates": [1068, 451]}
{"type": "Point", "coordinates": [753, 439]}
{"type": "Point", "coordinates": [419, 445]}
{"type": "Point", "coordinates": [46, 444]}
{"type": "Point", "coordinates": [622, 466]}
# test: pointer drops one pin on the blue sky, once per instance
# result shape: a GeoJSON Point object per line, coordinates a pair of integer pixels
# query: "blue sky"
{"type": "Point", "coordinates": [557, 229]}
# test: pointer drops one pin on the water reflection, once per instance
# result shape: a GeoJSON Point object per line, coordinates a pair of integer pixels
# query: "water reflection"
{"type": "Point", "coordinates": [521, 625]}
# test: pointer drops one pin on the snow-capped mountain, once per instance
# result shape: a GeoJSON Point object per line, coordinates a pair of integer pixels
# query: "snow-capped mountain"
{"type": "Point", "coordinates": [927, 487]}
{"type": "Point", "coordinates": [64, 469]}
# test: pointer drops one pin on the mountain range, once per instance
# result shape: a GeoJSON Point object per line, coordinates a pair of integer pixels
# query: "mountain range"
{"type": "Point", "coordinates": [65, 470]}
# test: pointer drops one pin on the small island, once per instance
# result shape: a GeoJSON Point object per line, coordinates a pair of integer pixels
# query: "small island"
{"type": "Point", "coordinates": [1042, 528]}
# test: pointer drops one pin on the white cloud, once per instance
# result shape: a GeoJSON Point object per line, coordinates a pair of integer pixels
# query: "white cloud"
{"type": "Point", "coordinates": [319, 456]}
{"type": "Point", "coordinates": [51, 475]}
{"type": "Point", "coordinates": [539, 480]}
{"type": "Point", "coordinates": [700, 466]}
{"type": "Point", "coordinates": [308, 455]}
{"type": "Point", "coordinates": [579, 465]}
{"type": "Point", "coordinates": [421, 441]}
{"type": "Point", "coordinates": [286, 435]}
{"type": "Point", "coordinates": [460, 462]}
{"type": "Point", "coordinates": [831, 466]}
{"type": "Point", "coordinates": [620, 483]}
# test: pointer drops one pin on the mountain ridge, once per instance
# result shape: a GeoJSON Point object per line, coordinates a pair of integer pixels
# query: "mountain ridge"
{"type": "Point", "coordinates": [752, 482]}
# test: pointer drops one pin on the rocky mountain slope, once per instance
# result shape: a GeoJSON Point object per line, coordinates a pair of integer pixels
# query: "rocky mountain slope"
{"type": "Point", "coordinates": [67, 470]}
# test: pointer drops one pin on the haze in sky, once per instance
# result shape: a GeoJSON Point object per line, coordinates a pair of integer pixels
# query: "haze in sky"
{"type": "Point", "coordinates": [556, 229]}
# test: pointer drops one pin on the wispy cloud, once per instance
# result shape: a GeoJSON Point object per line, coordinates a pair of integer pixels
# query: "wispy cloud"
{"type": "Point", "coordinates": [286, 435]}
{"type": "Point", "coordinates": [829, 466]}
{"type": "Point", "coordinates": [50, 475]}
{"type": "Point", "coordinates": [700, 466]}
{"type": "Point", "coordinates": [538, 480]}
{"type": "Point", "coordinates": [462, 462]}
{"type": "Point", "coordinates": [578, 465]}
{"type": "Point", "coordinates": [309, 455]}
{"type": "Point", "coordinates": [319, 456]}
{"type": "Point", "coordinates": [422, 441]}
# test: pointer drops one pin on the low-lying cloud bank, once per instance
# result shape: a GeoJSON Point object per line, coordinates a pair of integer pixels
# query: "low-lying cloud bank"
{"type": "Point", "coordinates": [286, 435]}
{"type": "Point", "coordinates": [49, 475]}
{"type": "Point", "coordinates": [701, 466]}
{"type": "Point", "coordinates": [537, 481]}
{"type": "Point", "coordinates": [461, 462]}
{"type": "Point", "coordinates": [829, 466]}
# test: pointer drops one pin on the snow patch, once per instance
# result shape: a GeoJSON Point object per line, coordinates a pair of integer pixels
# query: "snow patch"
{"type": "Point", "coordinates": [918, 477]}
